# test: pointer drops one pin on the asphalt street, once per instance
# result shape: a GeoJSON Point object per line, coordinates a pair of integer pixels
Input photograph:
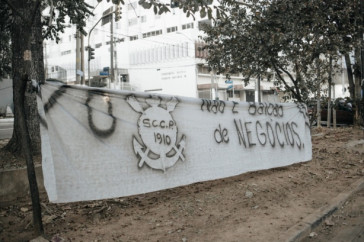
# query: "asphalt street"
{"type": "Point", "coordinates": [6, 128]}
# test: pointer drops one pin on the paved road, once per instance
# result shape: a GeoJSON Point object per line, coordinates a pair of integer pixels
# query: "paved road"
{"type": "Point", "coordinates": [6, 128]}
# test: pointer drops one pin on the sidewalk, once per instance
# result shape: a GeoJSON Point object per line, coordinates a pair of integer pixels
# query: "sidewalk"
{"type": "Point", "coordinates": [6, 128]}
{"type": "Point", "coordinates": [314, 225]}
{"type": "Point", "coordinates": [6, 120]}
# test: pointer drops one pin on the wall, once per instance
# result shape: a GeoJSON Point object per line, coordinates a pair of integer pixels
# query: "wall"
{"type": "Point", "coordinates": [173, 80]}
{"type": "Point", "coordinates": [6, 95]}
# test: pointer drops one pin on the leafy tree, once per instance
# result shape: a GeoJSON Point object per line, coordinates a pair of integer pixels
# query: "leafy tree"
{"type": "Point", "coordinates": [5, 52]}
{"type": "Point", "coordinates": [28, 23]}
{"type": "Point", "coordinates": [23, 20]}
{"type": "Point", "coordinates": [27, 29]}
{"type": "Point", "coordinates": [283, 37]}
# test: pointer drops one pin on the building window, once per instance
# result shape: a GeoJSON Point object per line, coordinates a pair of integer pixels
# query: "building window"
{"type": "Point", "coordinates": [66, 52]}
{"type": "Point", "coordinates": [172, 29]}
{"type": "Point", "coordinates": [250, 96]}
{"type": "Point", "coordinates": [143, 19]}
{"type": "Point", "coordinates": [98, 45]}
{"type": "Point", "coordinates": [237, 94]}
{"type": "Point", "coordinates": [203, 70]}
{"type": "Point", "coordinates": [132, 38]}
{"type": "Point", "coordinates": [187, 26]}
{"type": "Point", "coordinates": [152, 33]}
{"type": "Point", "coordinates": [107, 42]}
{"type": "Point", "coordinates": [133, 21]}
{"type": "Point", "coordinates": [52, 69]}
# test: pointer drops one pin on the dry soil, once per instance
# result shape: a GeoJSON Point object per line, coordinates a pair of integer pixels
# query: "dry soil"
{"type": "Point", "coordinates": [256, 206]}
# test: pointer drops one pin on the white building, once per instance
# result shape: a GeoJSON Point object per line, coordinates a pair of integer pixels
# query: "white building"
{"type": "Point", "coordinates": [152, 53]}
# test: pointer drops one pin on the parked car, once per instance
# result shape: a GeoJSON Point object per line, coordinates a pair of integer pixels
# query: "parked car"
{"type": "Point", "coordinates": [344, 112]}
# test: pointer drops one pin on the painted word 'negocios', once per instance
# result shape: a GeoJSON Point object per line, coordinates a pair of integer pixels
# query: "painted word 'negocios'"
{"type": "Point", "coordinates": [158, 123]}
{"type": "Point", "coordinates": [265, 108]}
{"type": "Point", "coordinates": [274, 133]}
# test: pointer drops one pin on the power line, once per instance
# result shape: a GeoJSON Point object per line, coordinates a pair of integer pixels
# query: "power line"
{"type": "Point", "coordinates": [133, 9]}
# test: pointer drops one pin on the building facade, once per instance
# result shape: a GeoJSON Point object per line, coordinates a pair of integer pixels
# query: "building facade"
{"type": "Point", "coordinates": [147, 53]}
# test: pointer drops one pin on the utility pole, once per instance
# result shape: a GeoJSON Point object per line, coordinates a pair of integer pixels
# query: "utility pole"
{"type": "Point", "coordinates": [111, 48]}
{"type": "Point", "coordinates": [82, 59]}
{"type": "Point", "coordinates": [318, 95]}
{"type": "Point", "coordinates": [334, 109]}
{"type": "Point", "coordinates": [45, 60]}
{"type": "Point", "coordinates": [329, 97]}
{"type": "Point", "coordinates": [257, 89]}
{"type": "Point", "coordinates": [362, 56]}
{"type": "Point", "coordinates": [78, 57]}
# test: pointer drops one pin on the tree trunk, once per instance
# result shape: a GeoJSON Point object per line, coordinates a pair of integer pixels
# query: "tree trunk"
{"type": "Point", "coordinates": [329, 98]}
{"type": "Point", "coordinates": [27, 64]}
{"type": "Point", "coordinates": [350, 76]}
{"type": "Point", "coordinates": [357, 75]}
{"type": "Point", "coordinates": [318, 94]}
{"type": "Point", "coordinates": [20, 38]}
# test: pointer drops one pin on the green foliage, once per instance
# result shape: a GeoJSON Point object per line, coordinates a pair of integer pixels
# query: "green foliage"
{"type": "Point", "coordinates": [291, 38]}
{"type": "Point", "coordinates": [77, 11]}
{"type": "Point", "coordinates": [5, 51]}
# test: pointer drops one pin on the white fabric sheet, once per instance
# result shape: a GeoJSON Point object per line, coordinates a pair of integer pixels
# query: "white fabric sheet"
{"type": "Point", "coordinates": [99, 144]}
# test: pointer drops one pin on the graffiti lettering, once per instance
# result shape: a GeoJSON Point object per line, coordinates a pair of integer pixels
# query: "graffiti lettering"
{"type": "Point", "coordinates": [221, 135]}
{"type": "Point", "coordinates": [162, 139]}
{"type": "Point", "coordinates": [260, 133]}
{"type": "Point", "coordinates": [99, 132]}
{"type": "Point", "coordinates": [213, 106]}
{"type": "Point", "coordinates": [299, 143]}
{"type": "Point", "coordinates": [280, 132]}
{"type": "Point", "coordinates": [156, 123]}
{"type": "Point", "coordinates": [158, 131]}
{"type": "Point", "coordinates": [235, 104]}
{"type": "Point", "coordinates": [269, 109]}
{"type": "Point", "coordinates": [273, 132]}
{"type": "Point", "coordinates": [271, 136]}
{"type": "Point", "coordinates": [248, 134]}
{"type": "Point", "coordinates": [241, 135]}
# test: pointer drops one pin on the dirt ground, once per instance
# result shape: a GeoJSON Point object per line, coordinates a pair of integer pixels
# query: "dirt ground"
{"type": "Point", "coordinates": [256, 206]}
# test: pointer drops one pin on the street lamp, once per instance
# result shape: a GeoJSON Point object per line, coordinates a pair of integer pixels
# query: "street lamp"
{"type": "Point", "coordinates": [88, 44]}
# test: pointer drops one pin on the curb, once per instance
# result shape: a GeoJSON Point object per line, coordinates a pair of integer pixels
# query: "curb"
{"type": "Point", "coordinates": [14, 183]}
{"type": "Point", "coordinates": [6, 120]}
{"type": "Point", "coordinates": [303, 228]}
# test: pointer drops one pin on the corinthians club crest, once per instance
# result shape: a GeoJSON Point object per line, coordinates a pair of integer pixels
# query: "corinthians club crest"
{"type": "Point", "coordinates": [157, 129]}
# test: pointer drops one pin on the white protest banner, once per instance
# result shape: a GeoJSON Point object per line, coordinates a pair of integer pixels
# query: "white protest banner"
{"type": "Point", "coordinates": [99, 144]}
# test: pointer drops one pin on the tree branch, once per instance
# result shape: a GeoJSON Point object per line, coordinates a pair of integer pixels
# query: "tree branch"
{"type": "Point", "coordinates": [37, 5]}
{"type": "Point", "coordinates": [284, 82]}
{"type": "Point", "coordinates": [11, 6]}
{"type": "Point", "coordinates": [295, 83]}
{"type": "Point", "coordinates": [51, 10]}
{"type": "Point", "coordinates": [288, 74]}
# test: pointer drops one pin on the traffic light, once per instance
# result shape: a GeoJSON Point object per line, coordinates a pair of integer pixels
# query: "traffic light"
{"type": "Point", "coordinates": [117, 13]}
{"type": "Point", "coordinates": [91, 53]}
